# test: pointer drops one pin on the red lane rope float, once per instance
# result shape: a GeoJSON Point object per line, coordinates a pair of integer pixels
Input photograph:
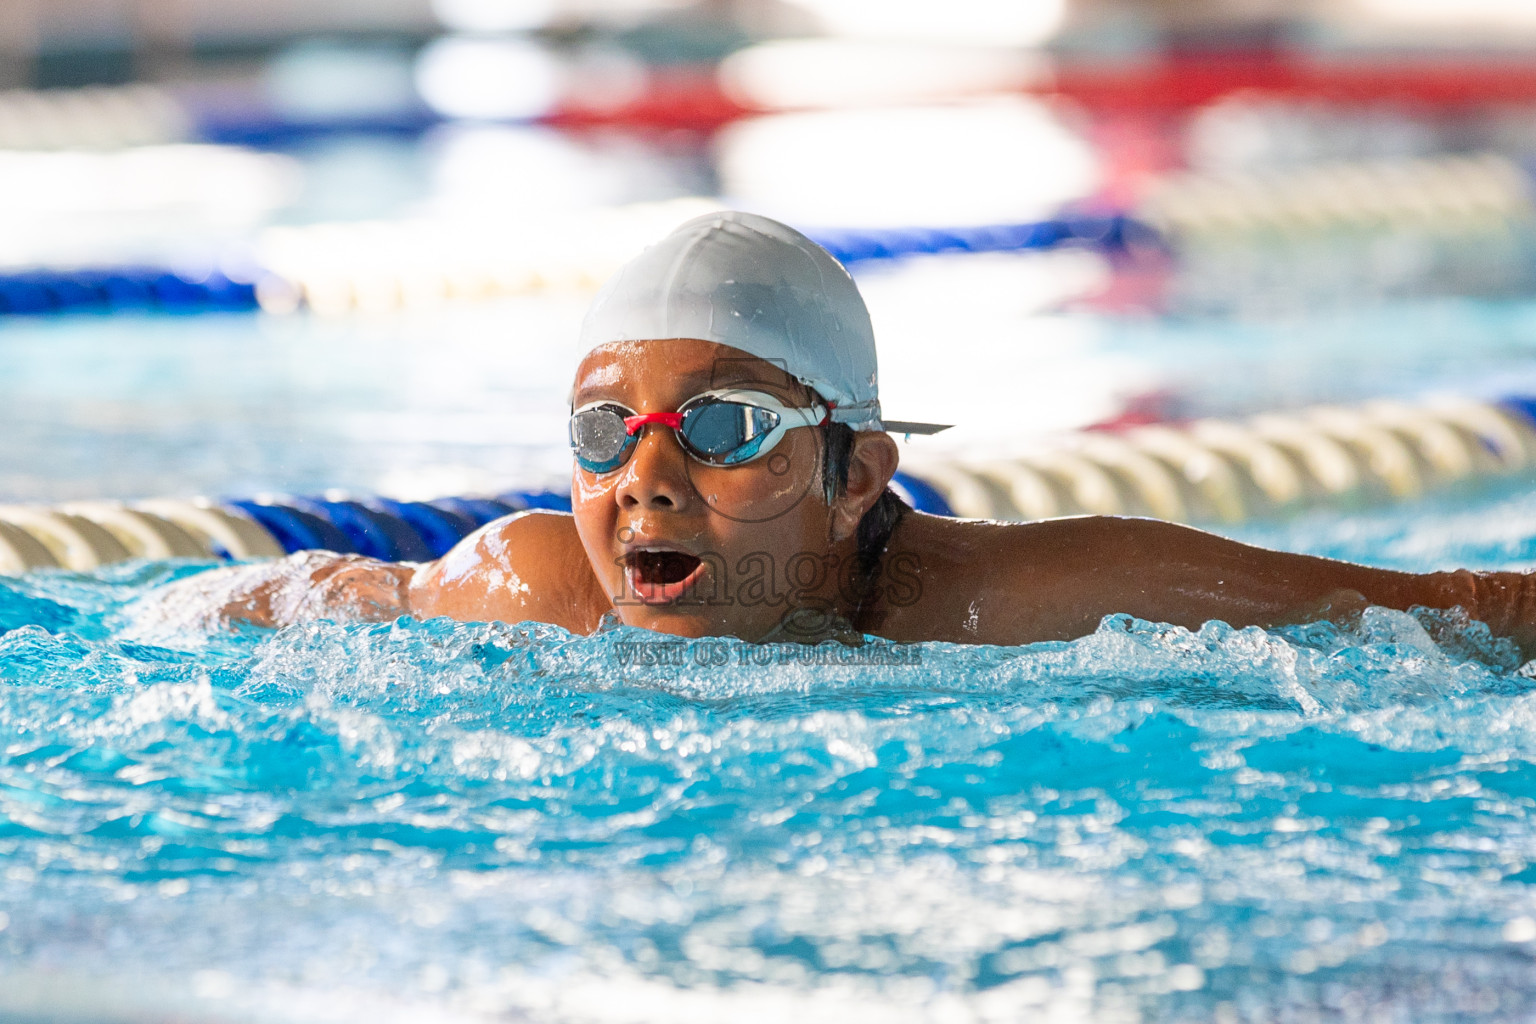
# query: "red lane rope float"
{"type": "Point", "coordinates": [694, 99]}
{"type": "Point", "coordinates": [1168, 83]}
{"type": "Point", "coordinates": [690, 100]}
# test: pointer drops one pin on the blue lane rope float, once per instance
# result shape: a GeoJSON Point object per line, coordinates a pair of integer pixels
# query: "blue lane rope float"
{"type": "Point", "coordinates": [272, 131]}
{"type": "Point", "coordinates": [296, 529]}
{"type": "Point", "coordinates": [438, 528]}
{"type": "Point", "coordinates": [1207, 471]}
{"type": "Point", "coordinates": [479, 511]}
{"type": "Point", "coordinates": [1524, 405]}
{"type": "Point", "coordinates": [1112, 233]}
{"type": "Point", "coordinates": [372, 532]}
{"type": "Point", "coordinates": [920, 494]}
{"type": "Point", "coordinates": [385, 529]}
{"type": "Point", "coordinates": [37, 292]}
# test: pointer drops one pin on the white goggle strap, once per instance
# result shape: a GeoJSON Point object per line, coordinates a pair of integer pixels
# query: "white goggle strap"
{"type": "Point", "coordinates": [789, 415]}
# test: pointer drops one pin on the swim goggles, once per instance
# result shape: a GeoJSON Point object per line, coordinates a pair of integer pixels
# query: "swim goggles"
{"type": "Point", "coordinates": [728, 427]}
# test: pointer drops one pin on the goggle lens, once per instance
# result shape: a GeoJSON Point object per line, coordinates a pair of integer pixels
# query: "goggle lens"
{"type": "Point", "coordinates": [599, 438]}
{"type": "Point", "coordinates": [726, 433]}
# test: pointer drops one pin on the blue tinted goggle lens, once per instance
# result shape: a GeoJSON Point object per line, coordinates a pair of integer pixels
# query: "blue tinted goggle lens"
{"type": "Point", "coordinates": [726, 433]}
{"type": "Point", "coordinates": [717, 433]}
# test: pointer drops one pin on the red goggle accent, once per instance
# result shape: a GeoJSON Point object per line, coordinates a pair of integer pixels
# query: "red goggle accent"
{"type": "Point", "coordinates": [632, 424]}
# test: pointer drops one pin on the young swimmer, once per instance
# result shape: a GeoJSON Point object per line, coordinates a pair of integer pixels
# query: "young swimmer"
{"type": "Point", "coordinates": [731, 479]}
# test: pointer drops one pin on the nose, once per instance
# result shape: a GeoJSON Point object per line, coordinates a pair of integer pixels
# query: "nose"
{"type": "Point", "coordinates": [656, 475]}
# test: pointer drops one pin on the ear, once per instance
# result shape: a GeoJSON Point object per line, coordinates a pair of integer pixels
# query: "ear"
{"type": "Point", "coordinates": [871, 465]}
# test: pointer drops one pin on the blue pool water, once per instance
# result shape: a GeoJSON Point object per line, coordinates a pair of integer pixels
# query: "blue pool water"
{"type": "Point", "coordinates": [430, 821]}
{"type": "Point", "coordinates": [440, 821]}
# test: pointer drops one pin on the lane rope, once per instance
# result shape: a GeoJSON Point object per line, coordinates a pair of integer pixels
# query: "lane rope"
{"type": "Point", "coordinates": [385, 266]}
{"type": "Point", "coordinates": [1205, 471]}
{"type": "Point", "coordinates": [1227, 471]}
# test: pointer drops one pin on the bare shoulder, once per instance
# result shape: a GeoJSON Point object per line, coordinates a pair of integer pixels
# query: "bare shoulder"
{"type": "Point", "coordinates": [986, 546]}
{"type": "Point", "coordinates": [528, 566]}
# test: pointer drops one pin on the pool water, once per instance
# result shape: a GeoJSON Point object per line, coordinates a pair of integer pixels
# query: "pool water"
{"type": "Point", "coordinates": [133, 406]}
{"type": "Point", "coordinates": [431, 821]}
{"type": "Point", "coordinates": [444, 821]}
{"type": "Point", "coordinates": [472, 398]}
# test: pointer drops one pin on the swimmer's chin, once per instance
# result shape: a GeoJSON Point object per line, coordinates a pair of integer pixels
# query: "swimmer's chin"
{"type": "Point", "coordinates": [684, 621]}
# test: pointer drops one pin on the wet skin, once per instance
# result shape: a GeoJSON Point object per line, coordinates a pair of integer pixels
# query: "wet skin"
{"type": "Point", "coordinates": [946, 579]}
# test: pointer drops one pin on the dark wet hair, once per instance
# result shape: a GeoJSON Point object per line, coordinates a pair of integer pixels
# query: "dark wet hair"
{"type": "Point", "coordinates": [880, 521]}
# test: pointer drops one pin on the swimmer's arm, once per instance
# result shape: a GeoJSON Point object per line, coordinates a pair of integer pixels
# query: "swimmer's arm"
{"type": "Point", "coordinates": [302, 587]}
{"type": "Point", "coordinates": [1082, 569]}
{"type": "Point", "coordinates": [527, 566]}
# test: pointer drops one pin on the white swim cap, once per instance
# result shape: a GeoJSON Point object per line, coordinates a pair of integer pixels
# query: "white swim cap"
{"type": "Point", "coordinates": [756, 285]}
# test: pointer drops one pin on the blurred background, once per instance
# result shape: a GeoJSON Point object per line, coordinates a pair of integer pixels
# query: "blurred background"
{"type": "Point", "coordinates": [298, 247]}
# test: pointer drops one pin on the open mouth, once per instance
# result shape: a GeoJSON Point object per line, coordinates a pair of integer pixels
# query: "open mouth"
{"type": "Point", "coordinates": [661, 575]}
{"type": "Point", "coordinates": [662, 566]}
